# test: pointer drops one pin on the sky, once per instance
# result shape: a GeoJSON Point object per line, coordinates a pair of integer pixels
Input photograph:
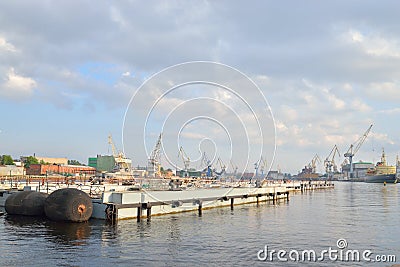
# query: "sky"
{"type": "Point", "coordinates": [284, 80]}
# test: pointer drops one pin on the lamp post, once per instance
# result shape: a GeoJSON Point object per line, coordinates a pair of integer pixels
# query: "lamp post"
{"type": "Point", "coordinates": [47, 184]}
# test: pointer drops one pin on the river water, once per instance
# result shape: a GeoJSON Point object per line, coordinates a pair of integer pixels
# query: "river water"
{"type": "Point", "coordinates": [366, 216]}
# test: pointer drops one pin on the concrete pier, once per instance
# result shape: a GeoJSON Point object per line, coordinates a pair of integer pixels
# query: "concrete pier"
{"type": "Point", "coordinates": [129, 205]}
{"type": "Point", "coordinates": [116, 203]}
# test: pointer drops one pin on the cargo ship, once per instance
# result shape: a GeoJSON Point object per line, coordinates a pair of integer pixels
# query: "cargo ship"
{"type": "Point", "coordinates": [382, 173]}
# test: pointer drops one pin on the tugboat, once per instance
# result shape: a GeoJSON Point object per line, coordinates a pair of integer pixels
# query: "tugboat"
{"type": "Point", "coordinates": [382, 173]}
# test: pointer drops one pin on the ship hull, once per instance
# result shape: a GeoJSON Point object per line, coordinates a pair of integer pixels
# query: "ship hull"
{"type": "Point", "coordinates": [388, 178]}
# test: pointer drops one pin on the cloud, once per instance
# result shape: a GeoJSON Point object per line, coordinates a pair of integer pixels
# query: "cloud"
{"type": "Point", "coordinates": [392, 111]}
{"type": "Point", "coordinates": [374, 44]}
{"type": "Point", "coordinates": [382, 138]}
{"type": "Point", "coordinates": [6, 46]}
{"type": "Point", "coordinates": [384, 91]}
{"type": "Point", "coordinates": [16, 86]}
{"type": "Point", "coordinates": [327, 70]}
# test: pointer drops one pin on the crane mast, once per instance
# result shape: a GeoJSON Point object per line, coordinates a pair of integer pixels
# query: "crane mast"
{"type": "Point", "coordinates": [207, 163]}
{"type": "Point", "coordinates": [313, 164]}
{"type": "Point", "coordinates": [221, 165]}
{"type": "Point", "coordinates": [185, 159]}
{"type": "Point", "coordinates": [351, 152]}
{"type": "Point", "coordinates": [234, 168]}
{"type": "Point", "coordinates": [330, 162]}
{"type": "Point", "coordinates": [122, 162]}
{"type": "Point", "coordinates": [260, 165]}
{"type": "Point", "coordinates": [154, 166]}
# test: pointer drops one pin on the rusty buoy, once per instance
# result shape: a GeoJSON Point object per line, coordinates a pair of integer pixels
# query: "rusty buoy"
{"type": "Point", "coordinates": [68, 204]}
{"type": "Point", "coordinates": [29, 203]}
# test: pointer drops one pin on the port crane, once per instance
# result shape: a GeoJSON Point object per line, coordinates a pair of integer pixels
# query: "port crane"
{"type": "Point", "coordinates": [353, 149]}
{"type": "Point", "coordinates": [154, 165]}
{"type": "Point", "coordinates": [313, 164]}
{"type": "Point", "coordinates": [221, 165]}
{"type": "Point", "coordinates": [185, 159]}
{"type": "Point", "coordinates": [263, 166]}
{"type": "Point", "coordinates": [207, 163]}
{"type": "Point", "coordinates": [260, 165]}
{"type": "Point", "coordinates": [330, 162]}
{"type": "Point", "coordinates": [234, 168]}
{"type": "Point", "coordinates": [122, 162]}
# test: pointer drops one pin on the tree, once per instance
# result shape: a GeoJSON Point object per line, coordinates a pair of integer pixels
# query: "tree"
{"type": "Point", "coordinates": [6, 160]}
{"type": "Point", "coordinates": [74, 162]}
{"type": "Point", "coordinates": [30, 160]}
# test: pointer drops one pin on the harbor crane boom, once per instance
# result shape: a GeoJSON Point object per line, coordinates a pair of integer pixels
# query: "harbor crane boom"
{"type": "Point", "coordinates": [351, 152]}
{"type": "Point", "coordinates": [122, 162]}
{"type": "Point", "coordinates": [313, 163]}
{"type": "Point", "coordinates": [113, 148]}
{"type": "Point", "coordinates": [221, 165]}
{"type": "Point", "coordinates": [154, 166]}
{"type": "Point", "coordinates": [330, 159]}
{"type": "Point", "coordinates": [185, 159]}
{"type": "Point", "coordinates": [234, 168]}
{"type": "Point", "coordinates": [207, 163]}
{"type": "Point", "coordinates": [260, 165]}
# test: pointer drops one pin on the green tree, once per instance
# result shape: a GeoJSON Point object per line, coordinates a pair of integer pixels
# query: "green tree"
{"type": "Point", "coordinates": [30, 160]}
{"type": "Point", "coordinates": [6, 160]}
{"type": "Point", "coordinates": [74, 162]}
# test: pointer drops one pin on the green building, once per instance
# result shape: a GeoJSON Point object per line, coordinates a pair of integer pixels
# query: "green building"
{"type": "Point", "coordinates": [189, 173]}
{"type": "Point", "coordinates": [92, 162]}
{"type": "Point", "coordinates": [102, 163]}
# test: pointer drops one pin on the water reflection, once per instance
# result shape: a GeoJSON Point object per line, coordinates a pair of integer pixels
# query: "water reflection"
{"type": "Point", "coordinates": [74, 234]}
{"type": "Point", "coordinates": [66, 233]}
{"type": "Point", "coordinates": [365, 215]}
{"type": "Point", "coordinates": [24, 221]}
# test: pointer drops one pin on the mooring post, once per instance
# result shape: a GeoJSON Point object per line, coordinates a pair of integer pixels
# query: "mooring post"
{"type": "Point", "coordinates": [148, 213]}
{"type": "Point", "coordinates": [139, 213]}
{"type": "Point", "coordinates": [273, 198]}
{"type": "Point", "coordinates": [232, 200]}
{"type": "Point", "coordinates": [287, 195]}
{"type": "Point", "coordinates": [200, 208]}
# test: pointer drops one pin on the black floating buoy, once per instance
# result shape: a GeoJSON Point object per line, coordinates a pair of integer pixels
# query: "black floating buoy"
{"type": "Point", "coordinates": [29, 203]}
{"type": "Point", "coordinates": [68, 204]}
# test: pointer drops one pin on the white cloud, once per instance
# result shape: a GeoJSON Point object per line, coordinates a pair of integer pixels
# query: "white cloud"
{"type": "Point", "coordinates": [387, 91]}
{"type": "Point", "coordinates": [390, 111]}
{"type": "Point", "coordinates": [347, 87]}
{"type": "Point", "coordinates": [289, 113]}
{"type": "Point", "coordinates": [374, 44]}
{"type": "Point", "coordinates": [4, 45]}
{"type": "Point", "coordinates": [117, 17]}
{"type": "Point", "coordinates": [381, 138]}
{"type": "Point", "coordinates": [360, 106]}
{"type": "Point", "coordinates": [16, 86]}
{"type": "Point", "coordinates": [336, 102]}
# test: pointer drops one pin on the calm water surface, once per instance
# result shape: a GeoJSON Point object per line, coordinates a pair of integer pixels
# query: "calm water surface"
{"type": "Point", "coordinates": [366, 215]}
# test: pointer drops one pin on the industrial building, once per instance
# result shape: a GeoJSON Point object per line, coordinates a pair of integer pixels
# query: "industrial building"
{"type": "Point", "coordinates": [6, 170]}
{"type": "Point", "coordinates": [102, 163]}
{"type": "Point", "coordinates": [275, 175]}
{"type": "Point", "coordinates": [359, 170]}
{"type": "Point", "coordinates": [58, 161]}
{"type": "Point", "coordinates": [42, 169]}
